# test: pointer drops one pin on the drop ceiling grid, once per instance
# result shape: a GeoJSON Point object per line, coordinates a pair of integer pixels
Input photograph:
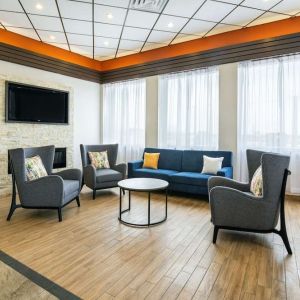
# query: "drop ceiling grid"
{"type": "Point", "coordinates": [105, 29]}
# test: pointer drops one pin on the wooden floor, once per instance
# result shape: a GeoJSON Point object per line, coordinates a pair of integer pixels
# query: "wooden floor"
{"type": "Point", "coordinates": [95, 257]}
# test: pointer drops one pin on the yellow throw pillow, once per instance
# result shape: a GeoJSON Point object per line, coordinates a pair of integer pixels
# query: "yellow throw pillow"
{"type": "Point", "coordinates": [151, 160]}
{"type": "Point", "coordinates": [256, 186]}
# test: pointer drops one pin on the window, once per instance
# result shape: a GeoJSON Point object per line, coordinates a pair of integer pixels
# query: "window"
{"type": "Point", "coordinates": [268, 111]}
{"type": "Point", "coordinates": [124, 105]}
{"type": "Point", "coordinates": [189, 110]}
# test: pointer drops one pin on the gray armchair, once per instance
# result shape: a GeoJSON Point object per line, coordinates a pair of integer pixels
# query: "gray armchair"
{"type": "Point", "coordinates": [102, 178]}
{"type": "Point", "coordinates": [234, 207]}
{"type": "Point", "coordinates": [50, 192]}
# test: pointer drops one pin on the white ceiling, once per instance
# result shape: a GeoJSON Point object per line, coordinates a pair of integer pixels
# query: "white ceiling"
{"type": "Point", "coordinates": [105, 29]}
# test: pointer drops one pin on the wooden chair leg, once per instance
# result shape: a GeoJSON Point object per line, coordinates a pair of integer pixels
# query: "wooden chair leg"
{"type": "Point", "coordinates": [216, 230]}
{"type": "Point", "coordinates": [59, 214]}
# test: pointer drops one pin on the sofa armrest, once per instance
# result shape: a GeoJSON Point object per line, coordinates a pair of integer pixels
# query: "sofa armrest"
{"type": "Point", "coordinates": [133, 165]}
{"type": "Point", "coordinates": [227, 182]}
{"type": "Point", "coordinates": [70, 174]}
{"type": "Point", "coordinates": [44, 192]}
{"type": "Point", "coordinates": [120, 168]}
{"type": "Point", "coordinates": [226, 172]}
{"type": "Point", "coordinates": [89, 176]}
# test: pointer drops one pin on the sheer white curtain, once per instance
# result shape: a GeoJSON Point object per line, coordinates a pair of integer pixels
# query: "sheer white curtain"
{"type": "Point", "coordinates": [269, 110]}
{"type": "Point", "coordinates": [124, 113]}
{"type": "Point", "coordinates": [189, 109]}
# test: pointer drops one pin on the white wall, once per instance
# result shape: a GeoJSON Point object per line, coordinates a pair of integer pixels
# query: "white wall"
{"type": "Point", "coordinates": [86, 100]}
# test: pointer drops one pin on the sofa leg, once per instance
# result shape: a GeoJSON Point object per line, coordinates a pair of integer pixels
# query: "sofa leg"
{"type": "Point", "coordinates": [59, 214]}
{"type": "Point", "coordinates": [216, 230]}
{"type": "Point", "coordinates": [78, 201]}
{"type": "Point", "coordinates": [94, 194]}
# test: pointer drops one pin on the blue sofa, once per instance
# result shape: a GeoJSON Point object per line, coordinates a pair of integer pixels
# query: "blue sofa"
{"type": "Point", "coordinates": [182, 169]}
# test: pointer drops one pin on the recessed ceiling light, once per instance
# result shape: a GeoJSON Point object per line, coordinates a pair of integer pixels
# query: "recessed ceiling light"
{"type": "Point", "coordinates": [106, 43]}
{"type": "Point", "coordinates": [109, 16]}
{"type": "Point", "coordinates": [170, 25]}
{"type": "Point", "coordinates": [39, 6]}
{"type": "Point", "coordinates": [52, 37]}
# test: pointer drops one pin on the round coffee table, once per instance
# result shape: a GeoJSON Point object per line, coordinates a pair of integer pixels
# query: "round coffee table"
{"type": "Point", "coordinates": [142, 185]}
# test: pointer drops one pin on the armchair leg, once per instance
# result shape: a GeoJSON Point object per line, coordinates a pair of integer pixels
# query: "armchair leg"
{"type": "Point", "coordinates": [59, 214]}
{"type": "Point", "coordinates": [216, 230]}
{"type": "Point", "coordinates": [78, 201]}
{"type": "Point", "coordinates": [94, 194]}
{"type": "Point", "coordinates": [285, 240]}
{"type": "Point", "coordinates": [13, 207]}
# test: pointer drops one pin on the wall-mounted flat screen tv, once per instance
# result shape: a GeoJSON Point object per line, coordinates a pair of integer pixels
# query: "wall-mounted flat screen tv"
{"type": "Point", "coordinates": [32, 104]}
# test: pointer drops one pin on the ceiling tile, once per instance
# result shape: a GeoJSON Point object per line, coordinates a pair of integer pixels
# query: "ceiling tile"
{"type": "Point", "coordinates": [197, 27]}
{"type": "Point", "coordinates": [220, 28]}
{"type": "Point", "coordinates": [141, 19]}
{"type": "Point", "coordinates": [170, 23]}
{"type": "Point", "coordinates": [105, 51]}
{"type": "Point", "coordinates": [288, 6]}
{"type": "Point", "coordinates": [130, 45]}
{"type": "Point", "coordinates": [161, 37]}
{"type": "Point", "coordinates": [83, 50]}
{"type": "Point", "coordinates": [108, 30]}
{"type": "Point", "coordinates": [80, 39]}
{"type": "Point", "coordinates": [24, 31]}
{"type": "Point", "coordinates": [118, 3]}
{"type": "Point", "coordinates": [268, 17]}
{"type": "Point", "coordinates": [63, 46]}
{"type": "Point", "coordinates": [80, 27]}
{"type": "Point", "coordinates": [50, 36]}
{"type": "Point", "coordinates": [14, 19]}
{"type": "Point", "coordinates": [117, 14]}
{"type": "Point", "coordinates": [180, 7]}
{"type": "Point", "coordinates": [40, 7]}
{"type": "Point", "coordinates": [150, 46]}
{"type": "Point", "coordinates": [11, 5]}
{"type": "Point", "coordinates": [103, 42]}
{"type": "Point", "coordinates": [214, 11]}
{"type": "Point", "coordinates": [260, 4]}
{"type": "Point", "coordinates": [137, 34]}
{"type": "Point", "coordinates": [75, 10]}
{"type": "Point", "coordinates": [46, 23]}
{"type": "Point", "coordinates": [235, 1]}
{"type": "Point", "coordinates": [184, 38]}
{"type": "Point", "coordinates": [242, 16]}
{"type": "Point", "coordinates": [125, 52]}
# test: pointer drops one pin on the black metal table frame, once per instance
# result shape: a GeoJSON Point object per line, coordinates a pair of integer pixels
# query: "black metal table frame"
{"type": "Point", "coordinates": [148, 224]}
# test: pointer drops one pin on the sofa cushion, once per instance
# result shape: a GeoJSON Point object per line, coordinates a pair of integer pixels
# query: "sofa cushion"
{"type": "Point", "coordinates": [152, 173]}
{"type": "Point", "coordinates": [106, 175]}
{"type": "Point", "coordinates": [169, 159]}
{"type": "Point", "coordinates": [192, 160]}
{"type": "Point", "coordinates": [71, 187]}
{"type": "Point", "coordinates": [191, 178]}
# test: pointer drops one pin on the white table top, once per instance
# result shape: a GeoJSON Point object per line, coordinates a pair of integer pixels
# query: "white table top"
{"type": "Point", "coordinates": [143, 184]}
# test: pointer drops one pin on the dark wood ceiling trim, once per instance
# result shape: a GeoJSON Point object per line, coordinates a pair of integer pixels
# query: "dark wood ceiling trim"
{"type": "Point", "coordinates": [27, 58]}
{"type": "Point", "coordinates": [252, 50]}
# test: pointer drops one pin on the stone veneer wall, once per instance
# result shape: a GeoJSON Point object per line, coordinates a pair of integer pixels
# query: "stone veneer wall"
{"type": "Point", "coordinates": [19, 135]}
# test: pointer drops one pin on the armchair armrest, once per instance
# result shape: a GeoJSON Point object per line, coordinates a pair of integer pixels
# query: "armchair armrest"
{"type": "Point", "coordinates": [226, 172]}
{"type": "Point", "coordinates": [44, 192]}
{"type": "Point", "coordinates": [70, 174]}
{"type": "Point", "coordinates": [133, 165]}
{"type": "Point", "coordinates": [120, 168]}
{"type": "Point", "coordinates": [227, 182]}
{"type": "Point", "coordinates": [233, 208]}
{"type": "Point", "coordinates": [89, 175]}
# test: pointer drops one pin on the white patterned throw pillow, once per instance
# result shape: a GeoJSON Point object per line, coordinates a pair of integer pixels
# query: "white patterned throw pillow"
{"type": "Point", "coordinates": [256, 186]}
{"type": "Point", "coordinates": [211, 165]}
{"type": "Point", "coordinates": [34, 168]}
{"type": "Point", "coordinates": [99, 160]}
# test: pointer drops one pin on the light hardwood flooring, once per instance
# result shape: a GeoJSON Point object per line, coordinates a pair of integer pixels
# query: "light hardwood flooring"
{"type": "Point", "coordinates": [95, 257]}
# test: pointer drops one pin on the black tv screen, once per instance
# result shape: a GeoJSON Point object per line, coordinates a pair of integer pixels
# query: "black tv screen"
{"type": "Point", "coordinates": [31, 104]}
